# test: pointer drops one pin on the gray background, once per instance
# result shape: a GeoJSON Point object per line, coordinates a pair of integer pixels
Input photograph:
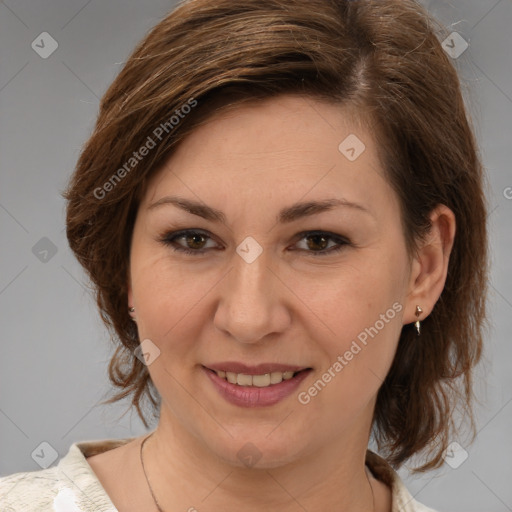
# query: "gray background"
{"type": "Point", "coordinates": [55, 350]}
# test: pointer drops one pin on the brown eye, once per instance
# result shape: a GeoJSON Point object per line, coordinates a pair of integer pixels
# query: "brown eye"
{"type": "Point", "coordinates": [317, 243]}
{"type": "Point", "coordinates": [194, 242]}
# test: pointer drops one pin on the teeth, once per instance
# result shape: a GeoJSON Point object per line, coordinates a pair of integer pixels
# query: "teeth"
{"type": "Point", "coordinates": [259, 381]}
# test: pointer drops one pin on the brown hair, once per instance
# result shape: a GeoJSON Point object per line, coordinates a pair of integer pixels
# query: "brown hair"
{"type": "Point", "coordinates": [383, 60]}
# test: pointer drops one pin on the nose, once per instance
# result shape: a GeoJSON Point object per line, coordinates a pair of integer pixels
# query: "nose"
{"type": "Point", "coordinates": [252, 302]}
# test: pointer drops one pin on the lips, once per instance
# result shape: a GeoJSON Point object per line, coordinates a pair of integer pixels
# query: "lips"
{"type": "Point", "coordinates": [259, 392]}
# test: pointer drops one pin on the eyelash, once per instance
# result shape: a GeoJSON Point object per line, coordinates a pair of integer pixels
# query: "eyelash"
{"type": "Point", "coordinates": [169, 240]}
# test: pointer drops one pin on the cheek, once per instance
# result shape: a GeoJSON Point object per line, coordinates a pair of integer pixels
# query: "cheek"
{"type": "Point", "coordinates": [359, 312]}
{"type": "Point", "coordinates": [353, 296]}
{"type": "Point", "coordinates": [358, 351]}
{"type": "Point", "coordinates": [171, 315]}
{"type": "Point", "coordinates": [167, 297]}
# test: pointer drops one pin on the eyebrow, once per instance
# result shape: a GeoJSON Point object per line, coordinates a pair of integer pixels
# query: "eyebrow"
{"type": "Point", "coordinates": [286, 215]}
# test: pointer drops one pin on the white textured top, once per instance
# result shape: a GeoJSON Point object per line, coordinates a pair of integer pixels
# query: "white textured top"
{"type": "Point", "coordinates": [72, 485]}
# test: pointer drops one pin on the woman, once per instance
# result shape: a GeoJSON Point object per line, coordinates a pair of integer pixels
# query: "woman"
{"type": "Point", "coordinates": [281, 209]}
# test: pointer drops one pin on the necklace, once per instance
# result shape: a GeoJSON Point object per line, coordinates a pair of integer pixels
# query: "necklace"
{"type": "Point", "coordinates": [160, 509]}
{"type": "Point", "coordinates": [147, 480]}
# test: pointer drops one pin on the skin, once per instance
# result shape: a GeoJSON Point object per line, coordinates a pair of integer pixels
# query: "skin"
{"type": "Point", "coordinates": [288, 306]}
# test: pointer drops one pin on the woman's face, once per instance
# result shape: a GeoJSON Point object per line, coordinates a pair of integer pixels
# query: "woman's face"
{"type": "Point", "coordinates": [270, 282]}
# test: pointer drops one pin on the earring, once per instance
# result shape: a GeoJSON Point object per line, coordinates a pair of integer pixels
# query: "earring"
{"type": "Point", "coordinates": [132, 310]}
{"type": "Point", "coordinates": [417, 323]}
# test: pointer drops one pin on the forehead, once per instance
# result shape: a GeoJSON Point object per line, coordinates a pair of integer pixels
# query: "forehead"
{"type": "Point", "coordinates": [287, 147]}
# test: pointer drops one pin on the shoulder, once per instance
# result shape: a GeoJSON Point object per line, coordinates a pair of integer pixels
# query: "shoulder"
{"type": "Point", "coordinates": [401, 498]}
{"type": "Point", "coordinates": [70, 486]}
{"type": "Point", "coordinates": [29, 491]}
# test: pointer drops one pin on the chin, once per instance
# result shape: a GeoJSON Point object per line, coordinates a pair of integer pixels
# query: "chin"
{"type": "Point", "coordinates": [257, 451]}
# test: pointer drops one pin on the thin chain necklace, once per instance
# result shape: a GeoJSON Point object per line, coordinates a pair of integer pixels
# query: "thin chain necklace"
{"type": "Point", "coordinates": [160, 508]}
{"type": "Point", "coordinates": [147, 480]}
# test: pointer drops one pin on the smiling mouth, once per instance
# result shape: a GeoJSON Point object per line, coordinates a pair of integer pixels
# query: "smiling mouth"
{"type": "Point", "coordinates": [260, 381]}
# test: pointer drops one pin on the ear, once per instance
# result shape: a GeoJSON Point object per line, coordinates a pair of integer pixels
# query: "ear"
{"type": "Point", "coordinates": [430, 265]}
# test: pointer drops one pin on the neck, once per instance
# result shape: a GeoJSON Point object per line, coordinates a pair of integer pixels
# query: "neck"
{"type": "Point", "coordinates": [184, 474]}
